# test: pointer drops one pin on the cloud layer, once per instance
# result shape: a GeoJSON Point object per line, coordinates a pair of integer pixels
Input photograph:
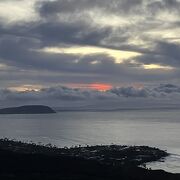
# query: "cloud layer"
{"type": "Point", "coordinates": [164, 95]}
{"type": "Point", "coordinates": [148, 28]}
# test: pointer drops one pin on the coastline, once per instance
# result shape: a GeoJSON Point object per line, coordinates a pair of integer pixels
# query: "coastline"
{"type": "Point", "coordinates": [23, 160]}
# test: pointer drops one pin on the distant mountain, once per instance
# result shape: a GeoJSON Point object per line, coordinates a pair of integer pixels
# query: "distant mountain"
{"type": "Point", "coordinates": [29, 109]}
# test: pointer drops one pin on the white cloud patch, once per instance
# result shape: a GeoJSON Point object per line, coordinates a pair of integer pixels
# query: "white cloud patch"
{"type": "Point", "coordinates": [15, 11]}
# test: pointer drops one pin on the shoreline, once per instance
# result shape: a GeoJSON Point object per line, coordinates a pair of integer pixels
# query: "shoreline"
{"type": "Point", "coordinates": [25, 160]}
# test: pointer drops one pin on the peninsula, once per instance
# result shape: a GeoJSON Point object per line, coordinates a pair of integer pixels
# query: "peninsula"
{"type": "Point", "coordinates": [30, 161]}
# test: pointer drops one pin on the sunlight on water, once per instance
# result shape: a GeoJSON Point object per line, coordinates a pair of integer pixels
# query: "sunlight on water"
{"type": "Point", "coordinates": [170, 164]}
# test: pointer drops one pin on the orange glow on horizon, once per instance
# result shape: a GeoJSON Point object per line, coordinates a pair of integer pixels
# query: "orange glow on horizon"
{"type": "Point", "coordinates": [93, 86]}
{"type": "Point", "coordinates": [25, 88]}
{"type": "Point", "coordinates": [100, 86]}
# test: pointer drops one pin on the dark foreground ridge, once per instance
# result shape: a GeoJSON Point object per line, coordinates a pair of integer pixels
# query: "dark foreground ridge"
{"type": "Point", "coordinates": [29, 109]}
{"type": "Point", "coordinates": [30, 161]}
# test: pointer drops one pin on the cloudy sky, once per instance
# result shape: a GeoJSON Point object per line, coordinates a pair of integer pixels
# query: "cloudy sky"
{"type": "Point", "coordinates": [97, 49]}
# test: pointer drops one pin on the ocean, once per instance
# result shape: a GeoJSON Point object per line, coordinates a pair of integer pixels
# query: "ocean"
{"type": "Point", "coordinates": [157, 128]}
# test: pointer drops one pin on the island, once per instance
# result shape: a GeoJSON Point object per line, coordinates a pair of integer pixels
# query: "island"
{"type": "Point", "coordinates": [21, 160]}
{"type": "Point", "coordinates": [28, 109]}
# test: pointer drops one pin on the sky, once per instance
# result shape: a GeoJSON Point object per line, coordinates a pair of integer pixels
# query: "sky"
{"type": "Point", "coordinates": [89, 50]}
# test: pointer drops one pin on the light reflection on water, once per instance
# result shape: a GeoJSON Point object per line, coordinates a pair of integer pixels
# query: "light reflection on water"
{"type": "Point", "coordinates": [171, 164]}
{"type": "Point", "coordinates": [155, 128]}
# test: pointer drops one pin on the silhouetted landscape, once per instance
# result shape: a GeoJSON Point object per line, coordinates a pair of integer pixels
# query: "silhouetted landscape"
{"type": "Point", "coordinates": [30, 161]}
{"type": "Point", "coordinates": [28, 109]}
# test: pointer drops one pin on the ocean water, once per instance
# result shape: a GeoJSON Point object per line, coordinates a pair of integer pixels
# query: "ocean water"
{"type": "Point", "coordinates": [156, 128]}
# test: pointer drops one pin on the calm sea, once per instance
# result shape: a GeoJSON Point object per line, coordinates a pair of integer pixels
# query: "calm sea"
{"type": "Point", "coordinates": [156, 128]}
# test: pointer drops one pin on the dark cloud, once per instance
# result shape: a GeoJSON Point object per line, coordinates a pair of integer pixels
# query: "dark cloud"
{"type": "Point", "coordinates": [167, 88]}
{"type": "Point", "coordinates": [77, 33]}
{"type": "Point", "coordinates": [130, 92]}
{"type": "Point", "coordinates": [165, 5]}
{"type": "Point", "coordinates": [76, 6]}
{"type": "Point", "coordinates": [164, 53]}
{"type": "Point", "coordinates": [118, 7]}
{"type": "Point", "coordinates": [74, 23]}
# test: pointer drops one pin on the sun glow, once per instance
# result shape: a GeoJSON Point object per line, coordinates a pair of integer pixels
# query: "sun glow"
{"type": "Point", "coordinates": [156, 66]}
{"type": "Point", "coordinates": [25, 88]}
{"type": "Point", "coordinates": [3, 66]}
{"type": "Point", "coordinates": [118, 55]}
{"type": "Point", "coordinates": [93, 86]}
{"type": "Point", "coordinates": [100, 86]}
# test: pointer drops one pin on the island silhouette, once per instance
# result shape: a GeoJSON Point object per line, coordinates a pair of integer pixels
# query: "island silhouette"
{"type": "Point", "coordinates": [28, 109]}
